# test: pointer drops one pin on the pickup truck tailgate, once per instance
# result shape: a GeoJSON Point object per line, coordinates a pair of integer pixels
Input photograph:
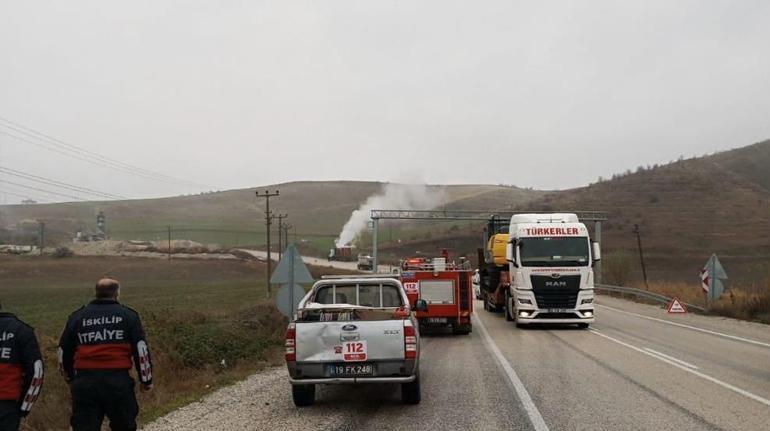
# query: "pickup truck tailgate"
{"type": "Point", "coordinates": [346, 341]}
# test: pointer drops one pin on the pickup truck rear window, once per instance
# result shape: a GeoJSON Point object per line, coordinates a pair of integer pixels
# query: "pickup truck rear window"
{"type": "Point", "coordinates": [365, 295]}
{"type": "Point", "coordinates": [344, 315]}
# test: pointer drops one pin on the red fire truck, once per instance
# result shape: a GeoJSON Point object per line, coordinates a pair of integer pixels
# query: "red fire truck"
{"type": "Point", "coordinates": [445, 286]}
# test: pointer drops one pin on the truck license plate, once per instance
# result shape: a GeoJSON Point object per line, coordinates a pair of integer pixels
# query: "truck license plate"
{"type": "Point", "coordinates": [351, 370]}
{"type": "Point", "coordinates": [435, 320]}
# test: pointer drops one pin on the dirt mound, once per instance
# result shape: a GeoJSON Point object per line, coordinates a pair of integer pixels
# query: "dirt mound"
{"type": "Point", "coordinates": [179, 246]}
{"type": "Point", "coordinates": [96, 248]}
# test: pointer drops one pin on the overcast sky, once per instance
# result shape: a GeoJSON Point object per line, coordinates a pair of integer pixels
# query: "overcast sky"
{"type": "Point", "coordinates": [243, 93]}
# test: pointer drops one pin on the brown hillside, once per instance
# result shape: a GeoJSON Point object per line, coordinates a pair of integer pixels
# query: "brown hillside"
{"type": "Point", "coordinates": [691, 206]}
{"type": "Point", "coordinates": [686, 211]}
{"type": "Point", "coordinates": [751, 162]}
{"type": "Point", "coordinates": [314, 208]}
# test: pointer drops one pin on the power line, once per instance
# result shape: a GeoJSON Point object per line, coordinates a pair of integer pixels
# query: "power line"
{"type": "Point", "coordinates": [60, 184]}
{"type": "Point", "coordinates": [80, 153]}
{"type": "Point", "coordinates": [74, 156]}
{"type": "Point", "coordinates": [90, 154]}
{"type": "Point", "coordinates": [19, 195]}
{"type": "Point", "coordinates": [41, 190]}
{"type": "Point", "coordinates": [32, 195]}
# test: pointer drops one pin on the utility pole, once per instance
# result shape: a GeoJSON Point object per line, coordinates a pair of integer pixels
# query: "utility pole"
{"type": "Point", "coordinates": [641, 254]}
{"type": "Point", "coordinates": [280, 218]}
{"type": "Point", "coordinates": [286, 228]}
{"type": "Point", "coordinates": [168, 228]}
{"type": "Point", "coordinates": [42, 237]}
{"type": "Point", "coordinates": [268, 221]}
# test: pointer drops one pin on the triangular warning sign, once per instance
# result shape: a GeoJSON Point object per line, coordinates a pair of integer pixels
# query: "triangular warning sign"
{"type": "Point", "coordinates": [291, 268]}
{"type": "Point", "coordinates": [676, 307]}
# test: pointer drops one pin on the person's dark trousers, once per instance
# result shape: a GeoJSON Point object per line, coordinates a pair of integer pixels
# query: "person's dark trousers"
{"type": "Point", "coordinates": [100, 393]}
{"type": "Point", "coordinates": [9, 416]}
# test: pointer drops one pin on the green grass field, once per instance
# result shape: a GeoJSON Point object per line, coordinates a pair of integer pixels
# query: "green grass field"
{"type": "Point", "coordinates": [196, 314]}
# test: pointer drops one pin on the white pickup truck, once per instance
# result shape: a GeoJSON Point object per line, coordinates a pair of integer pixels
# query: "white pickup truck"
{"type": "Point", "coordinates": [354, 331]}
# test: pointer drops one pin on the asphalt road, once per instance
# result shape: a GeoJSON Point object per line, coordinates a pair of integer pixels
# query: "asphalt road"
{"type": "Point", "coordinates": [632, 370]}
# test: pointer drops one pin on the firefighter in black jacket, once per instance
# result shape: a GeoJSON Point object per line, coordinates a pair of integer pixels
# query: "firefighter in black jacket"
{"type": "Point", "coordinates": [21, 371]}
{"type": "Point", "coordinates": [97, 349]}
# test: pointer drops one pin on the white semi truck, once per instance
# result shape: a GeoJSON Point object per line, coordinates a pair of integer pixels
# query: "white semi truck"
{"type": "Point", "coordinates": [549, 273]}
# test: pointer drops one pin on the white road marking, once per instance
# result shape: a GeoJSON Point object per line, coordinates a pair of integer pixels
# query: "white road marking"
{"type": "Point", "coordinates": [726, 385]}
{"type": "Point", "coordinates": [526, 400]}
{"type": "Point", "coordinates": [679, 361]}
{"type": "Point", "coordinates": [694, 328]}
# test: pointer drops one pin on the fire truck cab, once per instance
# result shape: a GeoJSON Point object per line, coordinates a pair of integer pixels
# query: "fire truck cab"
{"type": "Point", "coordinates": [446, 288]}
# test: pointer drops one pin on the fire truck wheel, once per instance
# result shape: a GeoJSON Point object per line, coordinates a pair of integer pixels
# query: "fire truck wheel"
{"type": "Point", "coordinates": [410, 392]}
{"type": "Point", "coordinates": [304, 395]}
{"type": "Point", "coordinates": [461, 329]}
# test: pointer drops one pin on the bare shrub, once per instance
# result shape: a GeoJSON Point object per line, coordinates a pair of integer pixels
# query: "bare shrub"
{"type": "Point", "coordinates": [617, 268]}
{"type": "Point", "coordinates": [747, 303]}
{"type": "Point", "coordinates": [61, 252]}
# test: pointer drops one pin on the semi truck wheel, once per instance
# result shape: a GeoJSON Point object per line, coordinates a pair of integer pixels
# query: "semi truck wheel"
{"type": "Point", "coordinates": [410, 392]}
{"type": "Point", "coordinates": [303, 395]}
{"type": "Point", "coordinates": [507, 307]}
{"type": "Point", "coordinates": [497, 308]}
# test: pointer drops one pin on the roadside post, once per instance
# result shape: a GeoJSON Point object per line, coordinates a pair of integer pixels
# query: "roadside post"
{"type": "Point", "coordinates": [268, 221]}
{"type": "Point", "coordinates": [290, 273]}
{"type": "Point", "coordinates": [711, 277]}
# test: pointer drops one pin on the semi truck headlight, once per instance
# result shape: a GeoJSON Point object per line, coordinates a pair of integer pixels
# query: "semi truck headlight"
{"type": "Point", "coordinates": [525, 301]}
{"type": "Point", "coordinates": [587, 301]}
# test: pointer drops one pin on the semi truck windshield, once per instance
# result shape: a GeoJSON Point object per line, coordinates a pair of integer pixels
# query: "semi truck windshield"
{"type": "Point", "coordinates": [554, 251]}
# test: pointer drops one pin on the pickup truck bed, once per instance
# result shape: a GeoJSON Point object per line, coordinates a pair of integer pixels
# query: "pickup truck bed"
{"type": "Point", "coordinates": [332, 341]}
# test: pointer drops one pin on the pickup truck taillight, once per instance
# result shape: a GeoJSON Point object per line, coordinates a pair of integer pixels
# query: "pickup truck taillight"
{"type": "Point", "coordinates": [291, 342]}
{"type": "Point", "coordinates": [410, 340]}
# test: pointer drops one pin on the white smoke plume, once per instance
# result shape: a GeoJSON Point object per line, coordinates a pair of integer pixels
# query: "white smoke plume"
{"type": "Point", "coordinates": [393, 196]}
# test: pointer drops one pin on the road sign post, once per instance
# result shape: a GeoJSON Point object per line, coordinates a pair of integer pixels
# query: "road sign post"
{"type": "Point", "coordinates": [711, 277]}
{"type": "Point", "coordinates": [290, 273]}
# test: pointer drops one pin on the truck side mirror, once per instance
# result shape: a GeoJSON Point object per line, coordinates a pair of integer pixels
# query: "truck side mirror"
{"type": "Point", "coordinates": [421, 305]}
{"type": "Point", "coordinates": [510, 254]}
{"type": "Point", "coordinates": [597, 251]}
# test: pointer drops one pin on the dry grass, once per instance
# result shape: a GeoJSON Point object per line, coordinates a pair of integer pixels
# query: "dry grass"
{"type": "Point", "coordinates": [746, 302]}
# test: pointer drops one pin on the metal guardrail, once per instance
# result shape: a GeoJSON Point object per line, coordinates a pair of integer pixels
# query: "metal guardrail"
{"type": "Point", "coordinates": [646, 294]}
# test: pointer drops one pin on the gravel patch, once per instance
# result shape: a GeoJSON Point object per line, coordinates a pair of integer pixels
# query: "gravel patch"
{"type": "Point", "coordinates": [261, 402]}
